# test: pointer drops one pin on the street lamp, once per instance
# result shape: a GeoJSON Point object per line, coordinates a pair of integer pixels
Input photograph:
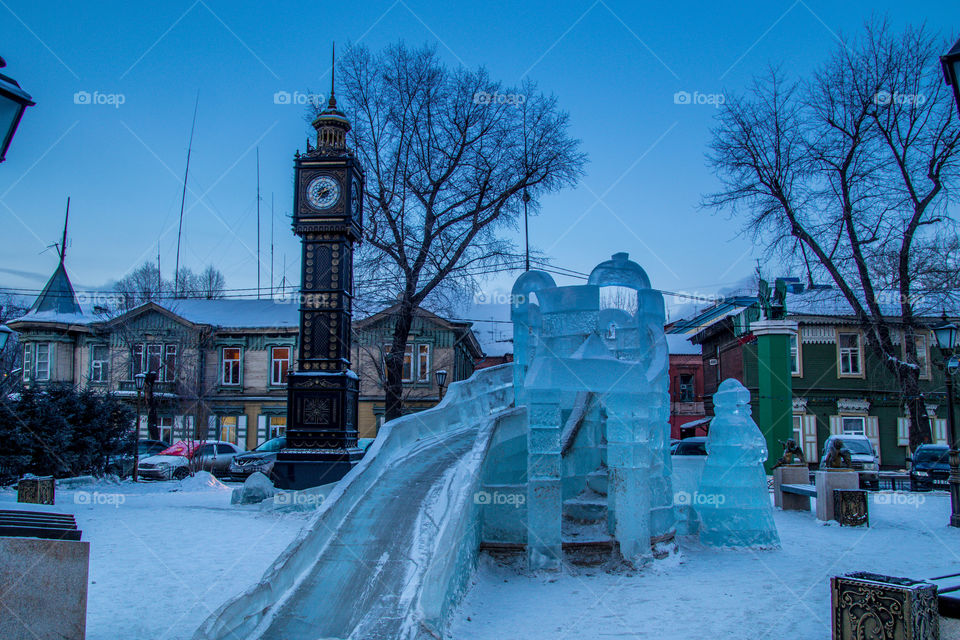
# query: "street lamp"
{"type": "Point", "coordinates": [138, 380]}
{"type": "Point", "coordinates": [946, 334]}
{"type": "Point", "coordinates": [13, 101]}
{"type": "Point", "coordinates": [441, 375]}
{"type": "Point", "coordinates": [951, 70]}
{"type": "Point", "coordinates": [5, 333]}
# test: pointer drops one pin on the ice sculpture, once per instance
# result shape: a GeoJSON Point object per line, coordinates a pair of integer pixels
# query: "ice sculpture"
{"type": "Point", "coordinates": [733, 501]}
{"type": "Point", "coordinates": [595, 386]}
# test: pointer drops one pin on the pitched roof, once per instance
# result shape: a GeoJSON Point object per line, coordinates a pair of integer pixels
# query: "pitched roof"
{"type": "Point", "coordinates": [58, 295]}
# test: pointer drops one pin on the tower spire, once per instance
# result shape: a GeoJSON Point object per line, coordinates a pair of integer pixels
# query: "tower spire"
{"type": "Point", "coordinates": [63, 243]}
{"type": "Point", "coordinates": [332, 102]}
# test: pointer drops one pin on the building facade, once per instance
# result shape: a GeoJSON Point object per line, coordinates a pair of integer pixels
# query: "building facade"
{"type": "Point", "coordinates": [433, 343]}
{"type": "Point", "coordinates": [838, 385]}
{"type": "Point", "coordinates": [221, 364]}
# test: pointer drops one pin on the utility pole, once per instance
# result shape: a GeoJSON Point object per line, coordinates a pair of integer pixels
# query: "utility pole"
{"type": "Point", "coordinates": [183, 199]}
{"type": "Point", "coordinates": [271, 244]}
{"type": "Point", "coordinates": [258, 223]}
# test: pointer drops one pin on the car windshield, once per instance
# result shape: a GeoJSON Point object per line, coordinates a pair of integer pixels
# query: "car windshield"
{"type": "Point", "coordinates": [273, 445]}
{"type": "Point", "coordinates": [860, 447]}
{"type": "Point", "coordinates": [931, 454]}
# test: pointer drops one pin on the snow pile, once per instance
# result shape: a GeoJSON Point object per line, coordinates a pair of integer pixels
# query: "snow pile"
{"type": "Point", "coordinates": [202, 481]}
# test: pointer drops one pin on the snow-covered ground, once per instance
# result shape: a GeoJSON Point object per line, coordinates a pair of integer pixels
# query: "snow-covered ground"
{"type": "Point", "coordinates": [165, 555]}
{"type": "Point", "coordinates": [705, 593]}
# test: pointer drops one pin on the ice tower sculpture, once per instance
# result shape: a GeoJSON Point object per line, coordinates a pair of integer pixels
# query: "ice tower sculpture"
{"type": "Point", "coordinates": [595, 385]}
{"type": "Point", "coordinates": [733, 500]}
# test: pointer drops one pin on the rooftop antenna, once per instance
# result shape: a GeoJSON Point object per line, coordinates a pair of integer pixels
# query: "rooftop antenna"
{"type": "Point", "coordinates": [258, 223]}
{"type": "Point", "coordinates": [62, 249]}
{"type": "Point", "coordinates": [159, 281]}
{"type": "Point", "coordinates": [271, 244]}
{"type": "Point", "coordinates": [183, 199]}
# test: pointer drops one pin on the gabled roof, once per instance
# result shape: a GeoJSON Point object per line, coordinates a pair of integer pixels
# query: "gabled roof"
{"type": "Point", "coordinates": [462, 329]}
{"type": "Point", "coordinates": [56, 304]}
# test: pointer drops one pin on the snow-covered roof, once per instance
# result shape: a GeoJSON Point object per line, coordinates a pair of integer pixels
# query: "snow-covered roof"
{"type": "Point", "coordinates": [679, 344]}
{"type": "Point", "coordinates": [230, 313]}
{"type": "Point", "coordinates": [831, 302]}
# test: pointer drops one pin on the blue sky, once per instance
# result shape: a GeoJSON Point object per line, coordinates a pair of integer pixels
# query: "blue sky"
{"type": "Point", "coordinates": [616, 66]}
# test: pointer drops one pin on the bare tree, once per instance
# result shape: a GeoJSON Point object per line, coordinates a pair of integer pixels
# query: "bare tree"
{"type": "Point", "coordinates": [11, 355]}
{"type": "Point", "coordinates": [210, 284]}
{"type": "Point", "coordinates": [849, 171]}
{"type": "Point", "coordinates": [449, 154]}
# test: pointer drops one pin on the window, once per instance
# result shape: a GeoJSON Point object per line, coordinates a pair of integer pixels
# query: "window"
{"type": "Point", "coordinates": [99, 363]}
{"type": "Point", "coordinates": [228, 429]}
{"type": "Point", "coordinates": [798, 428]}
{"type": "Point", "coordinates": [685, 388]}
{"type": "Point", "coordinates": [612, 331]}
{"type": "Point", "coordinates": [27, 361]}
{"type": "Point", "coordinates": [225, 448]}
{"type": "Point", "coordinates": [154, 359]}
{"type": "Point", "coordinates": [42, 361]}
{"type": "Point", "coordinates": [136, 363]}
{"type": "Point", "coordinates": [230, 366]}
{"type": "Point", "coordinates": [849, 345]}
{"type": "Point", "coordinates": [277, 426]}
{"type": "Point", "coordinates": [408, 364]}
{"type": "Point", "coordinates": [279, 365]}
{"type": "Point", "coordinates": [853, 425]}
{"type": "Point", "coordinates": [169, 373]}
{"type": "Point", "coordinates": [423, 363]}
{"type": "Point", "coordinates": [795, 355]}
{"type": "Point", "coordinates": [920, 341]}
{"type": "Point", "coordinates": [165, 424]}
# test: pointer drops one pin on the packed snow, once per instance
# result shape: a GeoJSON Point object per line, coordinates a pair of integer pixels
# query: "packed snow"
{"type": "Point", "coordinates": [709, 593]}
{"type": "Point", "coordinates": [164, 555]}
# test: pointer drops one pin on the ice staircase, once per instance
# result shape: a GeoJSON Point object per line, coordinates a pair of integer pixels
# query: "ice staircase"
{"type": "Point", "coordinates": [584, 529]}
{"type": "Point", "coordinates": [393, 546]}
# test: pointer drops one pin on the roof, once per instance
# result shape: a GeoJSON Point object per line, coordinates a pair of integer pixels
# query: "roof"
{"type": "Point", "coordinates": [229, 313]}
{"type": "Point", "coordinates": [463, 329]}
{"type": "Point", "coordinates": [830, 302]}
{"type": "Point", "coordinates": [57, 296]}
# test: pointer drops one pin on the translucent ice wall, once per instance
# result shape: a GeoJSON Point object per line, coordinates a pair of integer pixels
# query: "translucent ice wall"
{"type": "Point", "coordinates": [733, 501]}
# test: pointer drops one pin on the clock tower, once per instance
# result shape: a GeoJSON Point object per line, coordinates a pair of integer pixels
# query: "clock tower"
{"type": "Point", "coordinates": [322, 392]}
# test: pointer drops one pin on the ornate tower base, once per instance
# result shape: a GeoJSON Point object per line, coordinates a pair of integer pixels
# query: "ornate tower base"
{"type": "Point", "coordinates": [321, 433]}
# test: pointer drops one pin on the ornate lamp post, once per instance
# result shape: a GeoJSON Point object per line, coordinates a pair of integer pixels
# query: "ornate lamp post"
{"type": "Point", "coordinates": [946, 333]}
{"type": "Point", "coordinates": [13, 102]}
{"type": "Point", "coordinates": [951, 70]}
{"type": "Point", "coordinates": [441, 375]}
{"type": "Point", "coordinates": [138, 380]}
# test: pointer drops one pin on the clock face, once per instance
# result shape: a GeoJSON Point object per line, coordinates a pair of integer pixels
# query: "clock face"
{"type": "Point", "coordinates": [356, 202]}
{"type": "Point", "coordinates": [323, 192]}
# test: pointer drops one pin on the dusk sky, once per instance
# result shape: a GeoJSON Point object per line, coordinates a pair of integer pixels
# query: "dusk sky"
{"type": "Point", "coordinates": [615, 66]}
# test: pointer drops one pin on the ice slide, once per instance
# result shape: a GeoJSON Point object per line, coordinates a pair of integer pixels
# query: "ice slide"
{"type": "Point", "coordinates": [394, 543]}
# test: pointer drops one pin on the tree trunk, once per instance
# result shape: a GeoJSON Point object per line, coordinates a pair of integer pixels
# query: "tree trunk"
{"type": "Point", "coordinates": [919, 420]}
{"type": "Point", "coordinates": [393, 389]}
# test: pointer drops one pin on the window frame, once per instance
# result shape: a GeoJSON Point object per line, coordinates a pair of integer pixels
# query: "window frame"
{"type": "Point", "coordinates": [27, 361]}
{"type": "Point", "coordinates": [925, 372]}
{"type": "Point", "coordinates": [239, 366]}
{"type": "Point", "coordinates": [235, 427]}
{"type": "Point", "coordinates": [847, 416]}
{"type": "Point", "coordinates": [270, 426]}
{"type": "Point", "coordinates": [796, 355]}
{"type": "Point", "coordinates": [169, 367]}
{"type": "Point", "coordinates": [681, 387]}
{"type": "Point", "coordinates": [99, 368]}
{"type": "Point", "coordinates": [36, 361]}
{"type": "Point", "coordinates": [423, 349]}
{"type": "Point", "coordinates": [273, 365]}
{"type": "Point", "coordinates": [841, 352]}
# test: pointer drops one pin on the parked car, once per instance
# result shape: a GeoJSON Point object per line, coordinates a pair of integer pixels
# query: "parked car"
{"type": "Point", "coordinates": [862, 458]}
{"type": "Point", "coordinates": [696, 446]}
{"type": "Point", "coordinates": [122, 465]}
{"type": "Point", "coordinates": [260, 459]}
{"type": "Point", "coordinates": [929, 465]}
{"type": "Point", "coordinates": [175, 462]}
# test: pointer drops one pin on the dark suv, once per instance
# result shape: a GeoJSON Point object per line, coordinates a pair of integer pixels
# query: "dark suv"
{"type": "Point", "coordinates": [930, 466]}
